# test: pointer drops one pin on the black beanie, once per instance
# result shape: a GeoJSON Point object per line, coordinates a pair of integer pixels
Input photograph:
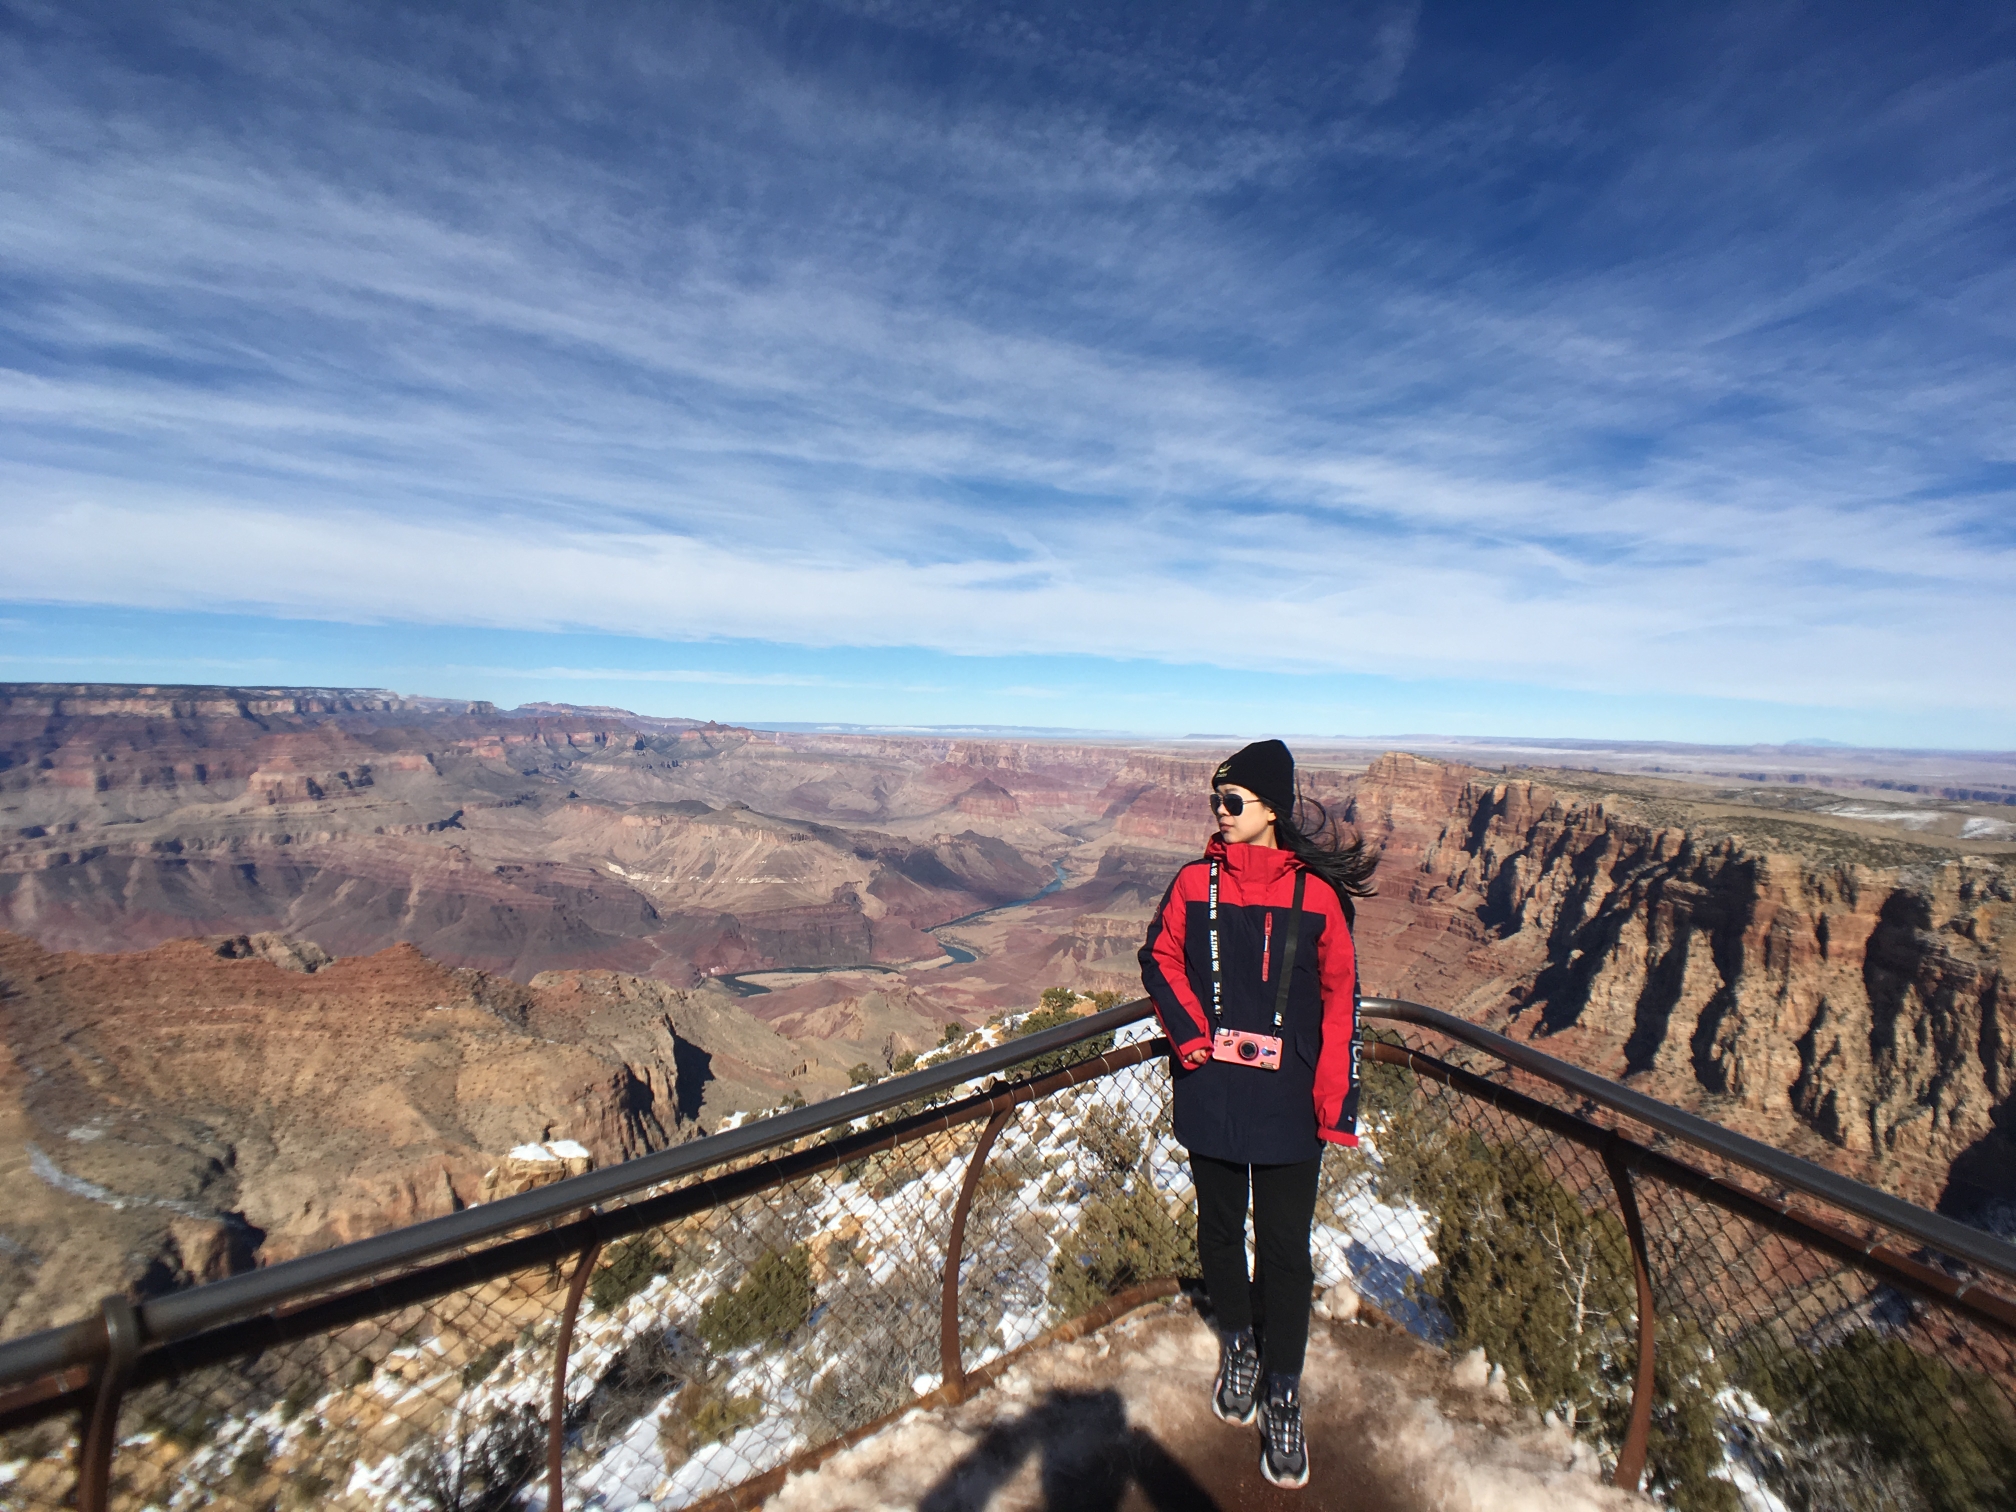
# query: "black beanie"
{"type": "Point", "coordinates": [1265, 769]}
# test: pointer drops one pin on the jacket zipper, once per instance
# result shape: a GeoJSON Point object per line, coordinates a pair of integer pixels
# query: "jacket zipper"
{"type": "Point", "coordinates": [1266, 945]}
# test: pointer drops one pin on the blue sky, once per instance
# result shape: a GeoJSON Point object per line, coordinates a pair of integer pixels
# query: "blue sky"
{"type": "Point", "coordinates": [1600, 371]}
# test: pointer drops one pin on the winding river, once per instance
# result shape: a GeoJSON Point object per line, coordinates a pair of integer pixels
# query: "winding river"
{"type": "Point", "coordinates": [739, 984]}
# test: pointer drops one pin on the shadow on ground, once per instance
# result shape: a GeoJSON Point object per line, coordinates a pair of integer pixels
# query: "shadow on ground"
{"type": "Point", "coordinates": [1090, 1456]}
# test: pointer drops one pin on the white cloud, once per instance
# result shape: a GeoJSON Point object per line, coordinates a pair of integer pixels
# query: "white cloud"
{"type": "Point", "coordinates": [832, 364]}
{"type": "Point", "coordinates": [1393, 612]}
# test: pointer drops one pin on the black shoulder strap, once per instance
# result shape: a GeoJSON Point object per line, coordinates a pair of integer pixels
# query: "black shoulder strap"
{"type": "Point", "coordinates": [1288, 954]}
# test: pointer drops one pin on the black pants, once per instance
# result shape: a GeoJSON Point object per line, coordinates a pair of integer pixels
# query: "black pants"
{"type": "Point", "coordinates": [1275, 1301]}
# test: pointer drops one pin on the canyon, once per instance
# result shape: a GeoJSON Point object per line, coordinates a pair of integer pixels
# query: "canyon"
{"type": "Point", "coordinates": [287, 966]}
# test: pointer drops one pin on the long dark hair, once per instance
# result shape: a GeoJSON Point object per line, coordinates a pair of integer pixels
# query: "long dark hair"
{"type": "Point", "coordinates": [1346, 865]}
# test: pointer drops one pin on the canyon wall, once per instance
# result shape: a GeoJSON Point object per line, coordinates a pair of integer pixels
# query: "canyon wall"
{"type": "Point", "coordinates": [569, 840]}
{"type": "Point", "coordinates": [1836, 994]}
{"type": "Point", "coordinates": [524, 910]}
{"type": "Point", "coordinates": [177, 1114]}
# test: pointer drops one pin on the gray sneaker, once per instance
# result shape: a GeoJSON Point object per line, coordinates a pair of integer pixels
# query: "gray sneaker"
{"type": "Point", "coordinates": [1284, 1459]}
{"type": "Point", "coordinates": [1233, 1393]}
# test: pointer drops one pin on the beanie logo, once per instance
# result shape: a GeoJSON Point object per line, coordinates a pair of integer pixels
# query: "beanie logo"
{"type": "Point", "coordinates": [1224, 771]}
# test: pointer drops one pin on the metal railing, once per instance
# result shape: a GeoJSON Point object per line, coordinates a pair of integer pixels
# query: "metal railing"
{"type": "Point", "coordinates": [1729, 1325]}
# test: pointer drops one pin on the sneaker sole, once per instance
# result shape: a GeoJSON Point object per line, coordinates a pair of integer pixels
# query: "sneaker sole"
{"type": "Point", "coordinates": [1290, 1482]}
{"type": "Point", "coordinates": [1225, 1417]}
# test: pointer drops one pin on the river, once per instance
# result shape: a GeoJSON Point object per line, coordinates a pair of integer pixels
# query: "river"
{"type": "Point", "coordinates": [739, 984]}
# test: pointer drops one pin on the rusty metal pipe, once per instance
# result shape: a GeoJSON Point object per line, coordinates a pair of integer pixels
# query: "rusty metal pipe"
{"type": "Point", "coordinates": [951, 1364]}
{"type": "Point", "coordinates": [1638, 1434]}
{"type": "Point", "coordinates": [94, 1456]}
{"type": "Point", "coordinates": [556, 1427]}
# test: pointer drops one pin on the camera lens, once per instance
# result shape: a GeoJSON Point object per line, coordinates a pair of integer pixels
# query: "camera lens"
{"type": "Point", "coordinates": [1248, 1050]}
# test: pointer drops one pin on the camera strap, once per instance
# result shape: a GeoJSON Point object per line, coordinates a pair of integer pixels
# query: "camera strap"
{"type": "Point", "coordinates": [1287, 953]}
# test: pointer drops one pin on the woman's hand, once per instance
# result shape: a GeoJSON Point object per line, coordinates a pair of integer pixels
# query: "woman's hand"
{"type": "Point", "coordinates": [1197, 1057]}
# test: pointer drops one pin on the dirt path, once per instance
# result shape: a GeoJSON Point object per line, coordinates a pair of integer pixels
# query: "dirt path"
{"type": "Point", "coordinates": [1120, 1422]}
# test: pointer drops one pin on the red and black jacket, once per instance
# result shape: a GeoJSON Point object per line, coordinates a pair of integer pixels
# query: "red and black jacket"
{"type": "Point", "coordinates": [1234, 1112]}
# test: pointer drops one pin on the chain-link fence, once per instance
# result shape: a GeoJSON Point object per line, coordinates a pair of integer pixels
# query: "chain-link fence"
{"type": "Point", "coordinates": [781, 1304]}
{"type": "Point", "coordinates": [1797, 1362]}
{"type": "Point", "coordinates": [715, 1330]}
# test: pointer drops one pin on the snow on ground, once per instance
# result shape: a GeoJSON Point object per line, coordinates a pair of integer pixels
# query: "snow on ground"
{"type": "Point", "coordinates": [554, 1150]}
{"type": "Point", "coordinates": [1903, 818]}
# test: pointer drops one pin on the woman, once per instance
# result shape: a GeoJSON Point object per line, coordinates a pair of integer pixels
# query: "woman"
{"type": "Point", "coordinates": [1253, 975]}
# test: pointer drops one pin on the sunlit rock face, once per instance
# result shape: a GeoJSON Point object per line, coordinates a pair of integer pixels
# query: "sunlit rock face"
{"type": "Point", "coordinates": [1832, 990]}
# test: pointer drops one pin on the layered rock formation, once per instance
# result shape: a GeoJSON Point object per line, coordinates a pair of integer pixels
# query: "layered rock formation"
{"type": "Point", "coordinates": [172, 1115]}
{"type": "Point", "coordinates": [510, 844]}
{"type": "Point", "coordinates": [1830, 977]}
{"type": "Point", "coordinates": [1841, 993]}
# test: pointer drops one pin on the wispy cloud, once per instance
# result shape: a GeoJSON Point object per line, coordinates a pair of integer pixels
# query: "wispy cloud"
{"type": "Point", "coordinates": [701, 676]}
{"type": "Point", "coordinates": [1661, 365]}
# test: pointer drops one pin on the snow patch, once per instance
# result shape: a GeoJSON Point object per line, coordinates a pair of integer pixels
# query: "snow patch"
{"type": "Point", "coordinates": [553, 1150]}
{"type": "Point", "coordinates": [1903, 818]}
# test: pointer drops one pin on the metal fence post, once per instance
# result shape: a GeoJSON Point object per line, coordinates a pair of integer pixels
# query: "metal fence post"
{"type": "Point", "coordinates": [1631, 1458]}
{"type": "Point", "coordinates": [556, 1428]}
{"type": "Point", "coordinates": [951, 1366]}
{"type": "Point", "coordinates": [94, 1454]}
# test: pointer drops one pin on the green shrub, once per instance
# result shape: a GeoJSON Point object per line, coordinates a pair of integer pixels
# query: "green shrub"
{"type": "Point", "coordinates": [1948, 1433]}
{"type": "Point", "coordinates": [702, 1413]}
{"type": "Point", "coordinates": [721, 1416]}
{"type": "Point", "coordinates": [1122, 1239]}
{"type": "Point", "coordinates": [1524, 1271]}
{"type": "Point", "coordinates": [1110, 1139]}
{"type": "Point", "coordinates": [250, 1464]}
{"type": "Point", "coordinates": [479, 1367]}
{"type": "Point", "coordinates": [1545, 1288]}
{"type": "Point", "coordinates": [861, 1074]}
{"type": "Point", "coordinates": [1058, 1007]}
{"type": "Point", "coordinates": [627, 1269]}
{"type": "Point", "coordinates": [186, 1424]}
{"type": "Point", "coordinates": [305, 1388]}
{"type": "Point", "coordinates": [772, 1301]}
{"type": "Point", "coordinates": [308, 1488]}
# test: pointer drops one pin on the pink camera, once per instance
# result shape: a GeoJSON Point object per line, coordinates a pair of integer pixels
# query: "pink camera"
{"type": "Point", "coordinates": [1260, 1051]}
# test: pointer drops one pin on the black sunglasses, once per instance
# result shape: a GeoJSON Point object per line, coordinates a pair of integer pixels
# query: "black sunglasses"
{"type": "Point", "coordinates": [1229, 803]}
